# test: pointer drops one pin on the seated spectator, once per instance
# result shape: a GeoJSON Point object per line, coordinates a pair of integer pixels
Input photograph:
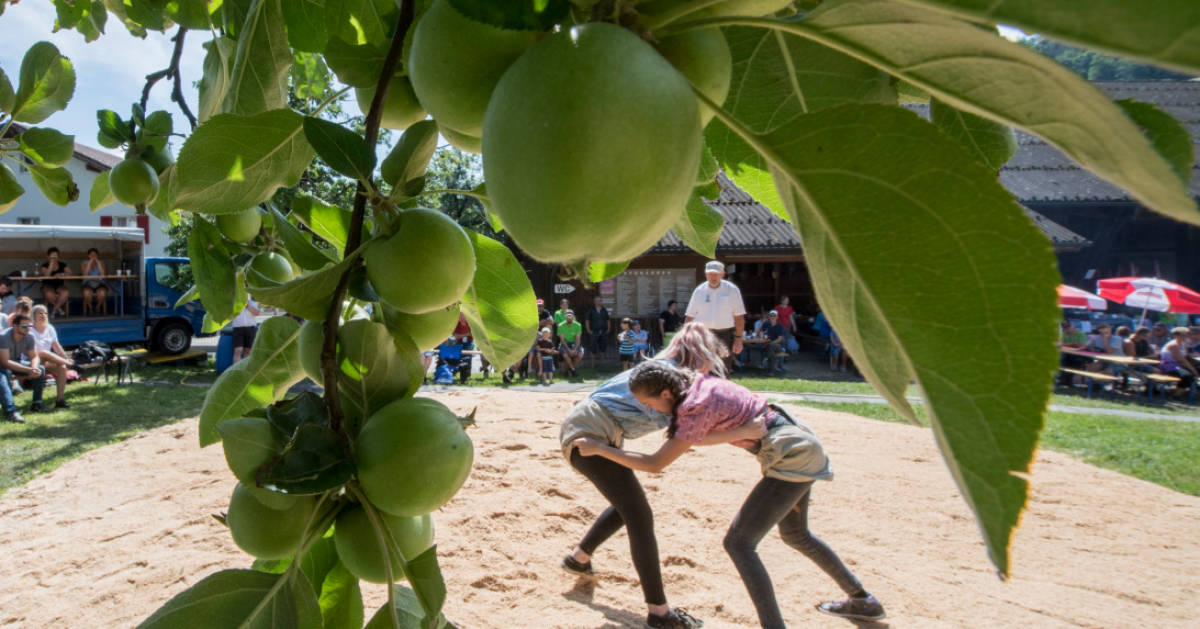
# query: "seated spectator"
{"type": "Point", "coordinates": [757, 331]}
{"type": "Point", "coordinates": [570, 333]}
{"type": "Point", "coordinates": [14, 344]}
{"type": "Point", "coordinates": [1193, 340]}
{"type": "Point", "coordinates": [641, 341]}
{"type": "Point", "coordinates": [24, 307]}
{"type": "Point", "coordinates": [838, 358]}
{"type": "Point", "coordinates": [1141, 344]}
{"type": "Point", "coordinates": [1072, 338]}
{"type": "Point", "coordinates": [95, 291]}
{"type": "Point", "coordinates": [45, 341]}
{"type": "Point", "coordinates": [1174, 362]}
{"type": "Point", "coordinates": [1126, 336]}
{"type": "Point", "coordinates": [54, 291]}
{"type": "Point", "coordinates": [8, 301]}
{"type": "Point", "coordinates": [1159, 336]}
{"type": "Point", "coordinates": [774, 334]}
{"type": "Point", "coordinates": [1104, 342]}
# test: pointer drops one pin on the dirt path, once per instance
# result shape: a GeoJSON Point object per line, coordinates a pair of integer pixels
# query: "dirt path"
{"type": "Point", "coordinates": [107, 538]}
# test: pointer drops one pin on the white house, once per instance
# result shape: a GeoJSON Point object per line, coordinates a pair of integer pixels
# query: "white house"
{"type": "Point", "coordinates": [88, 162]}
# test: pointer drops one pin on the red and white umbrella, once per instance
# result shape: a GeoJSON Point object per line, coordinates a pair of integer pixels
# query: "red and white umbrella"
{"type": "Point", "coordinates": [1150, 293]}
{"type": "Point", "coordinates": [1071, 297]}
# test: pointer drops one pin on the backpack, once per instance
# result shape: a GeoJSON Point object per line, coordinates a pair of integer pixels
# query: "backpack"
{"type": "Point", "coordinates": [443, 375]}
{"type": "Point", "coordinates": [92, 352]}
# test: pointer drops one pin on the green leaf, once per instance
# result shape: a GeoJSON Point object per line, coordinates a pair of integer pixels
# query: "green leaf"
{"type": "Point", "coordinates": [298, 244]}
{"type": "Point", "coordinates": [314, 459]}
{"type": "Point", "coordinates": [600, 271]}
{"type": "Point", "coordinates": [234, 162]}
{"type": "Point", "coordinates": [330, 222]}
{"type": "Point", "coordinates": [777, 77]}
{"type": "Point", "coordinates": [214, 83]}
{"type": "Point", "coordinates": [1169, 137]}
{"type": "Point", "coordinates": [916, 252]}
{"type": "Point", "coordinates": [360, 21]}
{"type": "Point", "coordinates": [213, 268]}
{"type": "Point", "coordinates": [191, 14]}
{"type": "Point", "coordinates": [233, 16]}
{"type": "Point", "coordinates": [240, 598]}
{"type": "Point", "coordinates": [1167, 36]}
{"type": "Point", "coordinates": [192, 294]}
{"type": "Point", "coordinates": [305, 20]}
{"type": "Point", "coordinates": [341, 599]}
{"type": "Point", "coordinates": [47, 146]}
{"type": "Point", "coordinates": [699, 226]}
{"type": "Point", "coordinates": [409, 159]}
{"type": "Point", "coordinates": [355, 65]}
{"type": "Point", "coordinates": [312, 462]}
{"type": "Point", "coordinates": [55, 183]}
{"type": "Point", "coordinates": [991, 143]}
{"type": "Point", "coordinates": [273, 366]}
{"type": "Point", "coordinates": [342, 149]}
{"type": "Point", "coordinates": [147, 13]}
{"type": "Point", "coordinates": [529, 16]}
{"type": "Point", "coordinates": [164, 205]}
{"type": "Point", "coordinates": [258, 78]}
{"type": "Point", "coordinates": [113, 130]}
{"type": "Point", "coordinates": [46, 84]}
{"type": "Point", "coordinates": [101, 195]}
{"type": "Point", "coordinates": [500, 304]}
{"type": "Point", "coordinates": [156, 130]}
{"type": "Point", "coordinates": [308, 295]}
{"type": "Point", "coordinates": [976, 71]}
{"type": "Point", "coordinates": [408, 611]}
{"type": "Point", "coordinates": [376, 367]}
{"type": "Point", "coordinates": [10, 189]}
{"type": "Point", "coordinates": [425, 577]}
{"type": "Point", "coordinates": [7, 95]}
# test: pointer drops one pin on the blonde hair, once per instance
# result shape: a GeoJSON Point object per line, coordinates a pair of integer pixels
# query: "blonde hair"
{"type": "Point", "coordinates": [40, 308]}
{"type": "Point", "coordinates": [696, 348]}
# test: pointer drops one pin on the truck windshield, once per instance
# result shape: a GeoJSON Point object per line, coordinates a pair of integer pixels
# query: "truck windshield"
{"type": "Point", "coordinates": [173, 275]}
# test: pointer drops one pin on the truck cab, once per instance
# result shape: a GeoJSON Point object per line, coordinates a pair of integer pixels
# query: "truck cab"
{"type": "Point", "coordinates": [140, 292]}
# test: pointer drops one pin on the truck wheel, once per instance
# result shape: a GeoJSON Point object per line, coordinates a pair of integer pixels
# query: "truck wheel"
{"type": "Point", "coordinates": [172, 338]}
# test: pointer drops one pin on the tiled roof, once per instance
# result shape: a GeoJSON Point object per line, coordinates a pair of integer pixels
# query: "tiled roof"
{"type": "Point", "coordinates": [98, 159]}
{"type": "Point", "coordinates": [751, 227]}
{"type": "Point", "coordinates": [1040, 173]}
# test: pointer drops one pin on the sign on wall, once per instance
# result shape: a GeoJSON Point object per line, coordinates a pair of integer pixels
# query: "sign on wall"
{"type": "Point", "coordinates": [645, 292]}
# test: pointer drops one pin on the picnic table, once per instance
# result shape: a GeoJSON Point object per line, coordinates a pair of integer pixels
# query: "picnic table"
{"type": "Point", "coordinates": [753, 344]}
{"type": "Point", "coordinates": [1129, 364]}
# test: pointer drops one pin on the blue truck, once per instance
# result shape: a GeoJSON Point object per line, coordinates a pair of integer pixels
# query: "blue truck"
{"type": "Point", "coordinates": [142, 291]}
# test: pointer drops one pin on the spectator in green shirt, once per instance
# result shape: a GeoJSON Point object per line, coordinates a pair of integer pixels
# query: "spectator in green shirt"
{"type": "Point", "coordinates": [560, 315]}
{"type": "Point", "coordinates": [1072, 338]}
{"type": "Point", "coordinates": [570, 332]}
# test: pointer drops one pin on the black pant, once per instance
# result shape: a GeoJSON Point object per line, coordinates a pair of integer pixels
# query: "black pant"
{"type": "Point", "coordinates": [629, 508]}
{"type": "Point", "coordinates": [771, 502]}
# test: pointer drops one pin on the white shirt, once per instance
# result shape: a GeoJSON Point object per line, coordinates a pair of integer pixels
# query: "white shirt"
{"type": "Point", "coordinates": [716, 307]}
{"type": "Point", "coordinates": [244, 318]}
{"type": "Point", "coordinates": [44, 341]}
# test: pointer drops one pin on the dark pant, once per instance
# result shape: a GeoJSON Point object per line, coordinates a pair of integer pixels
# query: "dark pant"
{"type": "Point", "coordinates": [6, 396]}
{"type": "Point", "coordinates": [598, 343]}
{"type": "Point", "coordinates": [776, 502]}
{"type": "Point", "coordinates": [621, 488]}
{"type": "Point", "coordinates": [726, 337]}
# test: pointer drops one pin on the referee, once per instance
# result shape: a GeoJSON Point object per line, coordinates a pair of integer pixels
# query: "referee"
{"type": "Point", "coordinates": [718, 305]}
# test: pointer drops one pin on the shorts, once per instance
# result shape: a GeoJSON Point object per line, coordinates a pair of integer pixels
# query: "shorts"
{"type": "Point", "coordinates": [93, 284]}
{"type": "Point", "coordinates": [628, 357]}
{"type": "Point", "coordinates": [589, 419]}
{"type": "Point", "coordinates": [565, 349]}
{"type": "Point", "coordinates": [244, 336]}
{"type": "Point", "coordinates": [547, 364]}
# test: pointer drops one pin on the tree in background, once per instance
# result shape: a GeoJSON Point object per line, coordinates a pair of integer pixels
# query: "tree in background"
{"type": "Point", "coordinates": [1094, 66]}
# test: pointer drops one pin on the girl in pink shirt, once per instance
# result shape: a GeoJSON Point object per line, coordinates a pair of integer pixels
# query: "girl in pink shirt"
{"type": "Point", "coordinates": [791, 458]}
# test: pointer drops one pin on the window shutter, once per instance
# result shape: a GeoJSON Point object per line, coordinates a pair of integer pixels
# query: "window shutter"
{"type": "Point", "coordinates": [143, 221]}
{"type": "Point", "coordinates": [106, 221]}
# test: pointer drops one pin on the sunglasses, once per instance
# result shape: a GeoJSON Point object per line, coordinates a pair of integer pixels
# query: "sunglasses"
{"type": "Point", "coordinates": [24, 326]}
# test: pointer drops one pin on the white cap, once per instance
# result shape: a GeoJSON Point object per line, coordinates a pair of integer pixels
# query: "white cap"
{"type": "Point", "coordinates": [714, 266]}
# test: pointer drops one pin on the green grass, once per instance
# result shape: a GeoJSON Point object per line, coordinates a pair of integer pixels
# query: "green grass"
{"type": "Point", "coordinates": [100, 414]}
{"type": "Point", "coordinates": [1163, 452]}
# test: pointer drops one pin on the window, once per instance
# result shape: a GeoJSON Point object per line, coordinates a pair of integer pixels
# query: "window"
{"type": "Point", "coordinates": [174, 275]}
{"type": "Point", "coordinates": [29, 220]}
{"type": "Point", "coordinates": [124, 221]}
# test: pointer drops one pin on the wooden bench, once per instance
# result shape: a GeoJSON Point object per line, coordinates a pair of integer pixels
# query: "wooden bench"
{"type": "Point", "coordinates": [1158, 381]}
{"type": "Point", "coordinates": [1092, 378]}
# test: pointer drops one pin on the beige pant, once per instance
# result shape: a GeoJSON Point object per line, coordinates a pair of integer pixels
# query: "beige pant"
{"type": "Point", "coordinates": [589, 419]}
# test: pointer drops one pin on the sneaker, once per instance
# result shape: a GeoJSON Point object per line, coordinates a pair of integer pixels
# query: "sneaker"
{"type": "Point", "coordinates": [38, 407]}
{"type": "Point", "coordinates": [868, 608]}
{"type": "Point", "coordinates": [577, 568]}
{"type": "Point", "coordinates": [17, 389]}
{"type": "Point", "coordinates": [14, 417]}
{"type": "Point", "coordinates": [675, 619]}
{"type": "Point", "coordinates": [61, 404]}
